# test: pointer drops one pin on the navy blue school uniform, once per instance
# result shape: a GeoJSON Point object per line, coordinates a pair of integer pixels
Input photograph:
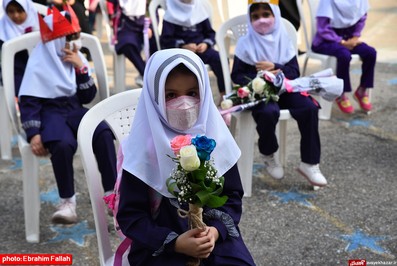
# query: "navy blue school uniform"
{"type": "Point", "coordinates": [21, 59]}
{"type": "Point", "coordinates": [153, 238]}
{"type": "Point", "coordinates": [130, 41]}
{"type": "Point", "coordinates": [57, 121]}
{"type": "Point", "coordinates": [175, 36]}
{"type": "Point", "coordinates": [304, 109]}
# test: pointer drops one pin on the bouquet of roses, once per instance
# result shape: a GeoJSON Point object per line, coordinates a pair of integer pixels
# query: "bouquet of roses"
{"type": "Point", "coordinates": [267, 86]}
{"type": "Point", "coordinates": [195, 180]}
{"type": "Point", "coordinates": [263, 88]}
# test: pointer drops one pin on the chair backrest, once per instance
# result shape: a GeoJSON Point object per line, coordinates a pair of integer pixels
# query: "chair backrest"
{"type": "Point", "coordinates": [157, 9]}
{"type": "Point", "coordinates": [118, 111]}
{"type": "Point", "coordinates": [28, 42]}
{"type": "Point", "coordinates": [309, 26]}
{"type": "Point", "coordinates": [10, 48]}
{"type": "Point", "coordinates": [238, 27]}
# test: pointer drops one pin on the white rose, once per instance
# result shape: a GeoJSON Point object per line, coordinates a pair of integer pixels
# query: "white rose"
{"type": "Point", "coordinates": [226, 104]}
{"type": "Point", "coordinates": [258, 84]}
{"type": "Point", "coordinates": [188, 158]}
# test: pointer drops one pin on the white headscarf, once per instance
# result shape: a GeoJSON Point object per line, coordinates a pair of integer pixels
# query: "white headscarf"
{"type": "Point", "coordinates": [46, 75]}
{"type": "Point", "coordinates": [275, 47]}
{"type": "Point", "coordinates": [184, 14]}
{"type": "Point", "coordinates": [10, 30]}
{"type": "Point", "coordinates": [343, 13]}
{"type": "Point", "coordinates": [147, 146]}
{"type": "Point", "coordinates": [133, 8]}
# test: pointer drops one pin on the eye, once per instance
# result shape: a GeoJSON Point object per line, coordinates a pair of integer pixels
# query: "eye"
{"type": "Point", "coordinates": [193, 93]}
{"type": "Point", "coordinates": [169, 96]}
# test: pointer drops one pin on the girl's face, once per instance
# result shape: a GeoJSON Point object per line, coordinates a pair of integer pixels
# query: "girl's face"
{"type": "Point", "coordinates": [16, 13]}
{"type": "Point", "coordinates": [181, 84]}
{"type": "Point", "coordinates": [263, 11]}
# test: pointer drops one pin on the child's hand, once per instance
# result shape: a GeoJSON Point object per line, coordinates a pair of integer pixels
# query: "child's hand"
{"type": "Point", "coordinates": [72, 56]}
{"type": "Point", "coordinates": [197, 243]}
{"type": "Point", "coordinates": [202, 47]}
{"type": "Point", "coordinates": [37, 146]}
{"type": "Point", "coordinates": [264, 65]}
{"type": "Point", "coordinates": [190, 46]}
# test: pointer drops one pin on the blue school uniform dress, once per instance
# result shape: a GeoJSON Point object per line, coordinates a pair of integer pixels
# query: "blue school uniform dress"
{"type": "Point", "coordinates": [148, 212]}
{"type": "Point", "coordinates": [130, 33]}
{"type": "Point", "coordinates": [277, 48]}
{"type": "Point", "coordinates": [342, 20]}
{"type": "Point", "coordinates": [51, 104]}
{"type": "Point", "coordinates": [10, 30]}
{"type": "Point", "coordinates": [189, 23]}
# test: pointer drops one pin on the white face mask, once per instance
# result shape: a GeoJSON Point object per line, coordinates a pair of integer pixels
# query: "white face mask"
{"type": "Point", "coordinates": [182, 112]}
{"type": "Point", "coordinates": [76, 43]}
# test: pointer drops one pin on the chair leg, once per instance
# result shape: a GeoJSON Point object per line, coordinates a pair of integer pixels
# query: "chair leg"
{"type": "Point", "coordinates": [6, 134]}
{"type": "Point", "coordinates": [119, 72]}
{"type": "Point", "coordinates": [326, 106]}
{"type": "Point", "coordinates": [31, 192]}
{"type": "Point", "coordinates": [281, 133]}
{"type": "Point", "coordinates": [246, 143]}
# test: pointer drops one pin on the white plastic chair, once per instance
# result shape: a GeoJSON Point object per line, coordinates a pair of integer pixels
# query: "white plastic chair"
{"type": "Point", "coordinates": [30, 163]}
{"type": "Point", "coordinates": [118, 111]}
{"type": "Point", "coordinates": [326, 60]}
{"type": "Point", "coordinates": [6, 136]}
{"type": "Point", "coordinates": [119, 68]}
{"type": "Point", "coordinates": [243, 127]}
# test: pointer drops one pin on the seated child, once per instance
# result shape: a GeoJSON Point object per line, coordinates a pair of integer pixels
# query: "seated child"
{"type": "Point", "coordinates": [268, 47]}
{"type": "Point", "coordinates": [176, 83]}
{"type": "Point", "coordinates": [130, 33]}
{"type": "Point", "coordinates": [186, 25]}
{"type": "Point", "coordinates": [20, 18]}
{"type": "Point", "coordinates": [339, 27]}
{"type": "Point", "coordinates": [55, 86]}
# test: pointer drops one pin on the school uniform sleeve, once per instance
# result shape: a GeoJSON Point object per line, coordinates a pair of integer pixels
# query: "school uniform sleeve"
{"type": "Point", "coordinates": [226, 218]}
{"type": "Point", "coordinates": [242, 72]}
{"type": "Point", "coordinates": [208, 32]}
{"type": "Point", "coordinates": [134, 215]}
{"type": "Point", "coordinates": [86, 88]}
{"type": "Point", "coordinates": [290, 69]}
{"type": "Point", "coordinates": [30, 108]}
{"type": "Point", "coordinates": [359, 26]}
{"type": "Point", "coordinates": [325, 31]}
{"type": "Point", "coordinates": [168, 39]}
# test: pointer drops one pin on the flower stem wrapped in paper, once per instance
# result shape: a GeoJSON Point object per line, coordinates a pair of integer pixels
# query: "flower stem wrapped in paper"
{"type": "Point", "coordinates": [194, 180]}
{"type": "Point", "coordinates": [267, 86]}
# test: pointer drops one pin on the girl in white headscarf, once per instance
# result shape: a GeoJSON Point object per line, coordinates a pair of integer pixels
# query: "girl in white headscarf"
{"type": "Point", "coordinates": [339, 27]}
{"type": "Point", "coordinates": [55, 86]}
{"type": "Point", "coordinates": [187, 25]}
{"type": "Point", "coordinates": [177, 77]}
{"type": "Point", "coordinates": [268, 47]}
{"type": "Point", "coordinates": [20, 17]}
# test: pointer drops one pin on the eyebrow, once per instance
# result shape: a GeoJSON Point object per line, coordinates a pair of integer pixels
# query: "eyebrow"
{"type": "Point", "coordinates": [161, 69]}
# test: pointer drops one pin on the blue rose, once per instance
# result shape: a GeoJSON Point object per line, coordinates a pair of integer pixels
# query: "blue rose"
{"type": "Point", "coordinates": [204, 147]}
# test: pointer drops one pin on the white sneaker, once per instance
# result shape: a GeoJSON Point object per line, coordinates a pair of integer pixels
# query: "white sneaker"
{"type": "Point", "coordinates": [313, 174]}
{"type": "Point", "coordinates": [66, 213]}
{"type": "Point", "coordinates": [273, 167]}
